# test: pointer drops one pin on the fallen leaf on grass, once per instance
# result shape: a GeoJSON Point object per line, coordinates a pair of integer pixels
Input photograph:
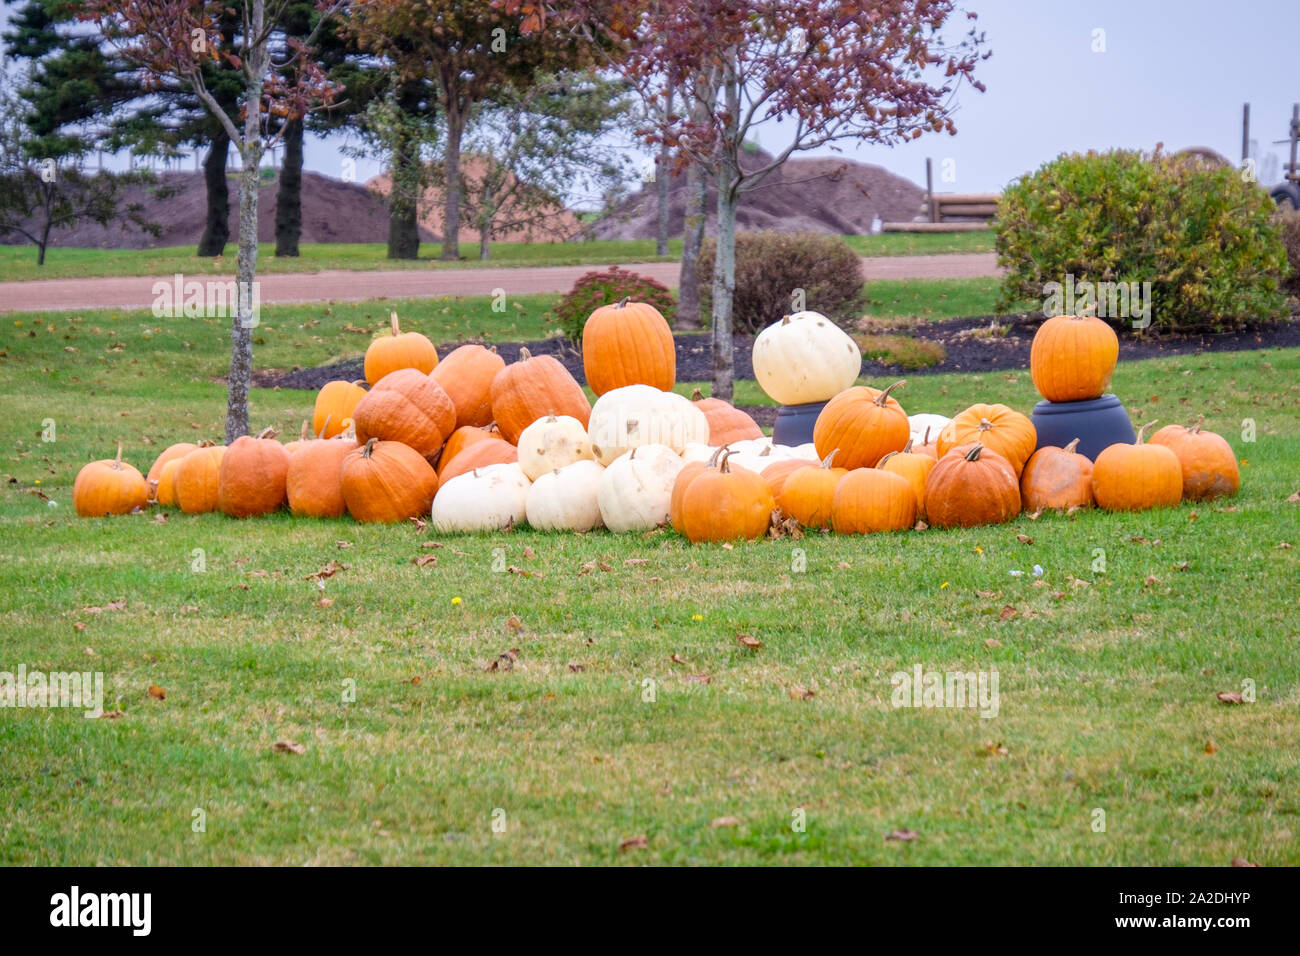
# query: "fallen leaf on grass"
{"type": "Point", "coordinates": [994, 749]}
{"type": "Point", "coordinates": [801, 693]}
{"type": "Point", "coordinates": [288, 747]}
{"type": "Point", "coordinates": [698, 679]}
{"type": "Point", "coordinates": [420, 524]}
{"type": "Point", "coordinates": [1151, 581]}
{"type": "Point", "coordinates": [110, 606]}
{"type": "Point", "coordinates": [1283, 546]}
{"type": "Point", "coordinates": [992, 642]}
{"type": "Point", "coordinates": [677, 659]}
{"type": "Point", "coordinates": [425, 561]}
{"type": "Point", "coordinates": [725, 822]}
{"type": "Point", "coordinates": [1007, 613]}
{"type": "Point", "coordinates": [505, 661]}
{"type": "Point", "coordinates": [1211, 747]}
{"type": "Point", "coordinates": [746, 641]}
{"type": "Point", "coordinates": [529, 553]}
{"type": "Point", "coordinates": [160, 518]}
{"type": "Point", "coordinates": [513, 622]}
{"type": "Point", "coordinates": [1229, 697]}
{"type": "Point", "coordinates": [325, 602]}
{"type": "Point", "coordinates": [1294, 499]}
{"type": "Point", "coordinates": [1180, 566]}
{"type": "Point", "coordinates": [634, 843]}
{"type": "Point", "coordinates": [343, 545]}
{"type": "Point", "coordinates": [1034, 515]}
{"type": "Point", "coordinates": [79, 626]}
{"type": "Point", "coordinates": [112, 714]}
{"type": "Point", "coordinates": [577, 668]}
{"type": "Point", "coordinates": [157, 693]}
{"type": "Point", "coordinates": [633, 562]}
{"type": "Point", "coordinates": [1238, 861]}
{"type": "Point", "coordinates": [431, 544]}
{"type": "Point", "coordinates": [1024, 539]}
{"type": "Point", "coordinates": [331, 569]}
{"type": "Point", "coordinates": [903, 836]}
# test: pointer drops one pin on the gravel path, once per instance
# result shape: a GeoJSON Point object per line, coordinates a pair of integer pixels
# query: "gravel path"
{"type": "Point", "coordinates": [136, 292]}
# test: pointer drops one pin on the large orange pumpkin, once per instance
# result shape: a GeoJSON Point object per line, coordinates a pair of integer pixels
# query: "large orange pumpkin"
{"type": "Point", "coordinates": [109, 487]}
{"type": "Point", "coordinates": [253, 476]}
{"type": "Point", "coordinates": [971, 485]}
{"type": "Point", "coordinates": [913, 466]}
{"type": "Point", "coordinates": [1073, 358]}
{"type": "Point", "coordinates": [727, 423]}
{"type": "Point", "coordinates": [171, 453]}
{"type": "Point", "coordinates": [808, 493]}
{"type": "Point", "coordinates": [336, 402]}
{"type": "Point", "coordinates": [1137, 476]}
{"type": "Point", "coordinates": [1208, 462]}
{"type": "Point", "coordinates": [1056, 478]}
{"type": "Point", "coordinates": [722, 503]}
{"type": "Point", "coordinates": [466, 376]}
{"type": "Point", "coordinates": [864, 424]}
{"type": "Point", "coordinates": [628, 343]}
{"type": "Point", "coordinates": [197, 480]}
{"type": "Point", "coordinates": [462, 438]}
{"type": "Point", "coordinates": [479, 455]}
{"type": "Point", "coordinates": [690, 471]}
{"type": "Point", "coordinates": [406, 406]}
{"type": "Point", "coordinates": [314, 482]}
{"type": "Point", "coordinates": [400, 350]}
{"type": "Point", "coordinates": [868, 500]}
{"type": "Point", "coordinates": [164, 488]}
{"type": "Point", "coordinates": [996, 427]}
{"type": "Point", "coordinates": [385, 481]}
{"type": "Point", "coordinates": [531, 388]}
{"type": "Point", "coordinates": [779, 472]}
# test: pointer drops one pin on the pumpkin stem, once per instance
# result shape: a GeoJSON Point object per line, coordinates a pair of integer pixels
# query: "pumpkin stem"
{"type": "Point", "coordinates": [392, 318]}
{"type": "Point", "coordinates": [766, 452]}
{"type": "Point", "coordinates": [883, 398]}
{"type": "Point", "coordinates": [267, 432]}
{"type": "Point", "coordinates": [826, 462]}
{"type": "Point", "coordinates": [1200, 420]}
{"type": "Point", "coordinates": [786, 320]}
{"type": "Point", "coordinates": [985, 424]}
{"type": "Point", "coordinates": [974, 453]}
{"type": "Point", "coordinates": [325, 427]}
{"type": "Point", "coordinates": [1069, 449]}
{"type": "Point", "coordinates": [722, 463]}
{"type": "Point", "coordinates": [524, 354]}
{"type": "Point", "coordinates": [117, 462]}
{"type": "Point", "coordinates": [361, 383]}
{"type": "Point", "coordinates": [713, 459]}
{"type": "Point", "coordinates": [304, 433]}
{"type": "Point", "coordinates": [698, 396]}
{"type": "Point", "coordinates": [623, 302]}
{"type": "Point", "coordinates": [1142, 431]}
{"type": "Point", "coordinates": [907, 449]}
{"type": "Point", "coordinates": [370, 447]}
{"type": "Point", "coordinates": [926, 439]}
{"type": "Point", "coordinates": [881, 463]}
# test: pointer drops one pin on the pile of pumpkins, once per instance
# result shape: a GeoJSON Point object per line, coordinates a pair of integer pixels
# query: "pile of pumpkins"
{"type": "Point", "coordinates": [479, 445]}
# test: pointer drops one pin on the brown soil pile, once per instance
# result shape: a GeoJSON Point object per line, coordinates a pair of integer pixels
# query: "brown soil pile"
{"type": "Point", "coordinates": [824, 195]}
{"type": "Point", "coordinates": [332, 211]}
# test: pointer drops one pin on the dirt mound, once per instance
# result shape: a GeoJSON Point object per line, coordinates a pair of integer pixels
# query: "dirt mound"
{"type": "Point", "coordinates": [332, 211]}
{"type": "Point", "coordinates": [823, 195]}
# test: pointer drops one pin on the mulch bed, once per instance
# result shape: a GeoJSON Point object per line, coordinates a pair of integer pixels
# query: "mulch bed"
{"type": "Point", "coordinates": [968, 345]}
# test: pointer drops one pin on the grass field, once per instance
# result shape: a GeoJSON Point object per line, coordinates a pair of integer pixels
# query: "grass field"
{"type": "Point", "coordinates": [19, 262]}
{"type": "Point", "coordinates": [595, 734]}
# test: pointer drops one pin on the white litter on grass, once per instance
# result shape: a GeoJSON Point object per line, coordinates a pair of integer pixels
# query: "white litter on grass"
{"type": "Point", "coordinates": [1038, 570]}
{"type": "Point", "coordinates": [1015, 574]}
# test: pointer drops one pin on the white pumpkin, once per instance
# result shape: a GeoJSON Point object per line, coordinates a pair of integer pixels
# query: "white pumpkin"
{"type": "Point", "coordinates": [485, 499]}
{"type": "Point", "coordinates": [805, 358]}
{"type": "Point", "coordinates": [807, 450]}
{"type": "Point", "coordinates": [636, 488]}
{"type": "Point", "coordinates": [550, 443]}
{"type": "Point", "coordinates": [753, 446]}
{"type": "Point", "coordinates": [636, 415]}
{"type": "Point", "coordinates": [697, 451]}
{"type": "Point", "coordinates": [566, 499]}
{"type": "Point", "coordinates": [754, 461]}
{"type": "Point", "coordinates": [920, 422]}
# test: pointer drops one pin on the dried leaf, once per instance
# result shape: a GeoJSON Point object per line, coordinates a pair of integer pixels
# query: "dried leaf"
{"type": "Point", "coordinates": [420, 524]}
{"type": "Point", "coordinates": [325, 602]}
{"type": "Point", "coordinates": [903, 836]}
{"type": "Point", "coordinates": [698, 679]}
{"type": "Point", "coordinates": [728, 546]}
{"type": "Point", "coordinates": [425, 561]}
{"type": "Point", "coordinates": [1211, 747]}
{"type": "Point", "coordinates": [112, 714]}
{"type": "Point", "coordinates": [1034, 515]}
{"type": "Point", "coordinates": [1007, 613]}
{"type": "Point", "coordinates": [1151, 581]}
{"type": "Point", "coordinates": [288, 747]}
{"type": "Point", "coordinates": [513, 623]}
{"type": "Point", "coordinates": [801, 693]}
{"type": "Point", "coordinates": [1229, 696]}
{"type": "Point", "coordinates": [577, 668]}
{"type": "Point", "coordinates": [994, 749]}
{"type": "Point", "coordinates": [634, 562]}
{"type": "Point", "coordinates": [1180, 566]}
{"type": "Point", "coordinates": [746, 640]}
{"type": "Point", "coordinates": [157, 693]}
{"type": "Point", "coordinates": [529, 553]}
{"type": "Point", "coordinates": [725, 822]}
{"type": "Point", "coordinates": [1024, 539]}
{"type": "Point", "coordinates": [1294, 499]}
{"type": "Point", "coordinates": [992, 642]}
{"type": "Point", "coordinates": [431, 544]}
{"type": "Point", "coordinates": [331, 569]}
{"type": "Point", "coordinates": [920, 526]}
{"type": "Point", "coordinates": [79, 626]}
{"type": "Point", "coordinates": [677, 659]}
{"type": "Point", "coordinates": [634, 843]}
{"type": "Point", "coordinates": [1238, 861]}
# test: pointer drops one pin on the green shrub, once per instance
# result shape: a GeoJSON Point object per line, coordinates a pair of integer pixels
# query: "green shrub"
{"type": "Point", "coordinates": [771, 266]}
{"type": "Point", "coordinates": [1288, 221]}
{"type": "Point", "coordinates": [603, 288]}
{"type": "Point", "coordinates": [905, 351]}
{"type": "Point", "coordinates": [1201, 236]}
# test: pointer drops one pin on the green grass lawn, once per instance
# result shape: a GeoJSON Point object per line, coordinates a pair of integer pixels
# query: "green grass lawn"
{"type": "Point", "coordinates": [596, 734]}
{"type": "Point", "coordinates": [19, 262]}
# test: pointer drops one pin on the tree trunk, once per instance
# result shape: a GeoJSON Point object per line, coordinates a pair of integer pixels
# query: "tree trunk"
{"type": "Point", "coordinates": [216, 231]}
{"type": "Point", "coordinates": [662, 181]}
{"type": "Point", "coordinates": [451, 212]}
{"type": "Point", "coordinates": [724, 286]}
{"type": "Point", "coordinates": [484, 243]}
{"type": "Point", "coordinates": [403, 207]}
{"type": "Point", "coordinates": [288, 200]}
{"type": "Point", "coordinates": [45, 242]}
{"type": "Point", "coordinates": [688, 285]}
{"type": "Point", "coordinates": [241, 335]}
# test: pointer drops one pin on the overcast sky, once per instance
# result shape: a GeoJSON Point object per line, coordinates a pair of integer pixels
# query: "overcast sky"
{"type": "Point", "coordinates": [1172, 71]}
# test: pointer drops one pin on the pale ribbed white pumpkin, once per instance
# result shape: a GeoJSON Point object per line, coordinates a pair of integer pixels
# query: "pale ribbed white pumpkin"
{"type": "Point", "coordinates": [566, 499]}
{"type": "Point", "coordinates": [807, 450]}
{"type": "Point", "coordinates": [920, 422]}
{"type": "Point", "coordinates": [805, 358]}
{"type": "Point", "coordinates": [636, 415]}
{"type": "Point", "coordinates": [636, 488]}
{"type": "Point", "coordinates": [753, 446]}
{"type": "Point", "coordinates": [550, 443]}
{"type": "Point", "coordinates": [755, 461]}
{"type": "Point", "coordinates": [485, 499]}
{"type": "Point", "coordinates": [697, 451]}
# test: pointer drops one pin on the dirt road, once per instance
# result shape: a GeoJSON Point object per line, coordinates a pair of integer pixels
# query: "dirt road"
{"type": "Point", "coordinates": [137, 292]}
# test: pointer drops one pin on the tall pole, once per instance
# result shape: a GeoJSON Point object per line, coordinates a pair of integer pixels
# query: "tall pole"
{"type": "Point", "coordinates": [929, 191]}
{"type": "Point", "coordinates": [1245, 132]}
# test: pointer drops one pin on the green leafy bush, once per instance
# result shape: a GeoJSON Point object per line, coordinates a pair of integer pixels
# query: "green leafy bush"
{"type": "Point", "coordinates": [604, 288]}
{"type": "Point", "coordinates": [1289, 222]}
{"type": "Point", "coordinates": [1202, 237]}
{"type": "Point", "coordinates": [771, 266]}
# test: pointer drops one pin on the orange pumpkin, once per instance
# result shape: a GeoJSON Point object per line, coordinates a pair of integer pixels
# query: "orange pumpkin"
{"type": "Point", "coordinates": [913, 466]}
{"type": "Point", "coordinates": [1137, 477]}
{"type": "Point", "coordinates": [466, 376]}
{"type": "Point", "coordinates": [461, 439]}
{"type": "Point", "coordinates": [809, 492]}
{"type": "Point", "coordinates": [385, 481]}
{"type": "Point", "coordinates": [996, 427]}
{"type": "Point", "coordinates": [727, 423]}
{"type": "Point", "coordinates": [398, 351]}
{"type": "Point", "coordinates": [868, 500]}
{"type": "Point", "coordinates": [109, 487]}
{"type": "Point", "coordinates": [253, 475]}
{"type": "Point", "coordinates": [864, 424]}
{"type": "Point", "coordinates": [531, 388]}
{"type": "Point", "coordinates": [690, 471]}
{"type": "Point", "coordinates": [779, 472]}
{"type": "Point", "coordinates": [722, 503]}
{"type": "Point", "coordinates": [164, 489]}
{"type": "Point", "coordinates": [171, 453]}
{"type": "Point", "coordinates": [407, 406]}
{"type": "Point", "coordinates": [928, 447]}
{"type": "Point", "coordinates": [336, 402]}
{"type": "Point", "coordinates": [479, 455]}
{"type": "Point", "coordinates": [304, 436]}
{"type": "Point", "coordinates": [628, 343]}
{"type": "Point", "coordinates": [1073, 358]}
{"type": "Point", "coordinates": [1056, 478]}
{"type": "Point", "coordinates": [971, 485]}
{"type": "Point", "coordinates": [314, 482]}
{"type": "Point", "coordinates": [197, 480]}
{"type": "Point", "coordinates": [1208, 462]}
